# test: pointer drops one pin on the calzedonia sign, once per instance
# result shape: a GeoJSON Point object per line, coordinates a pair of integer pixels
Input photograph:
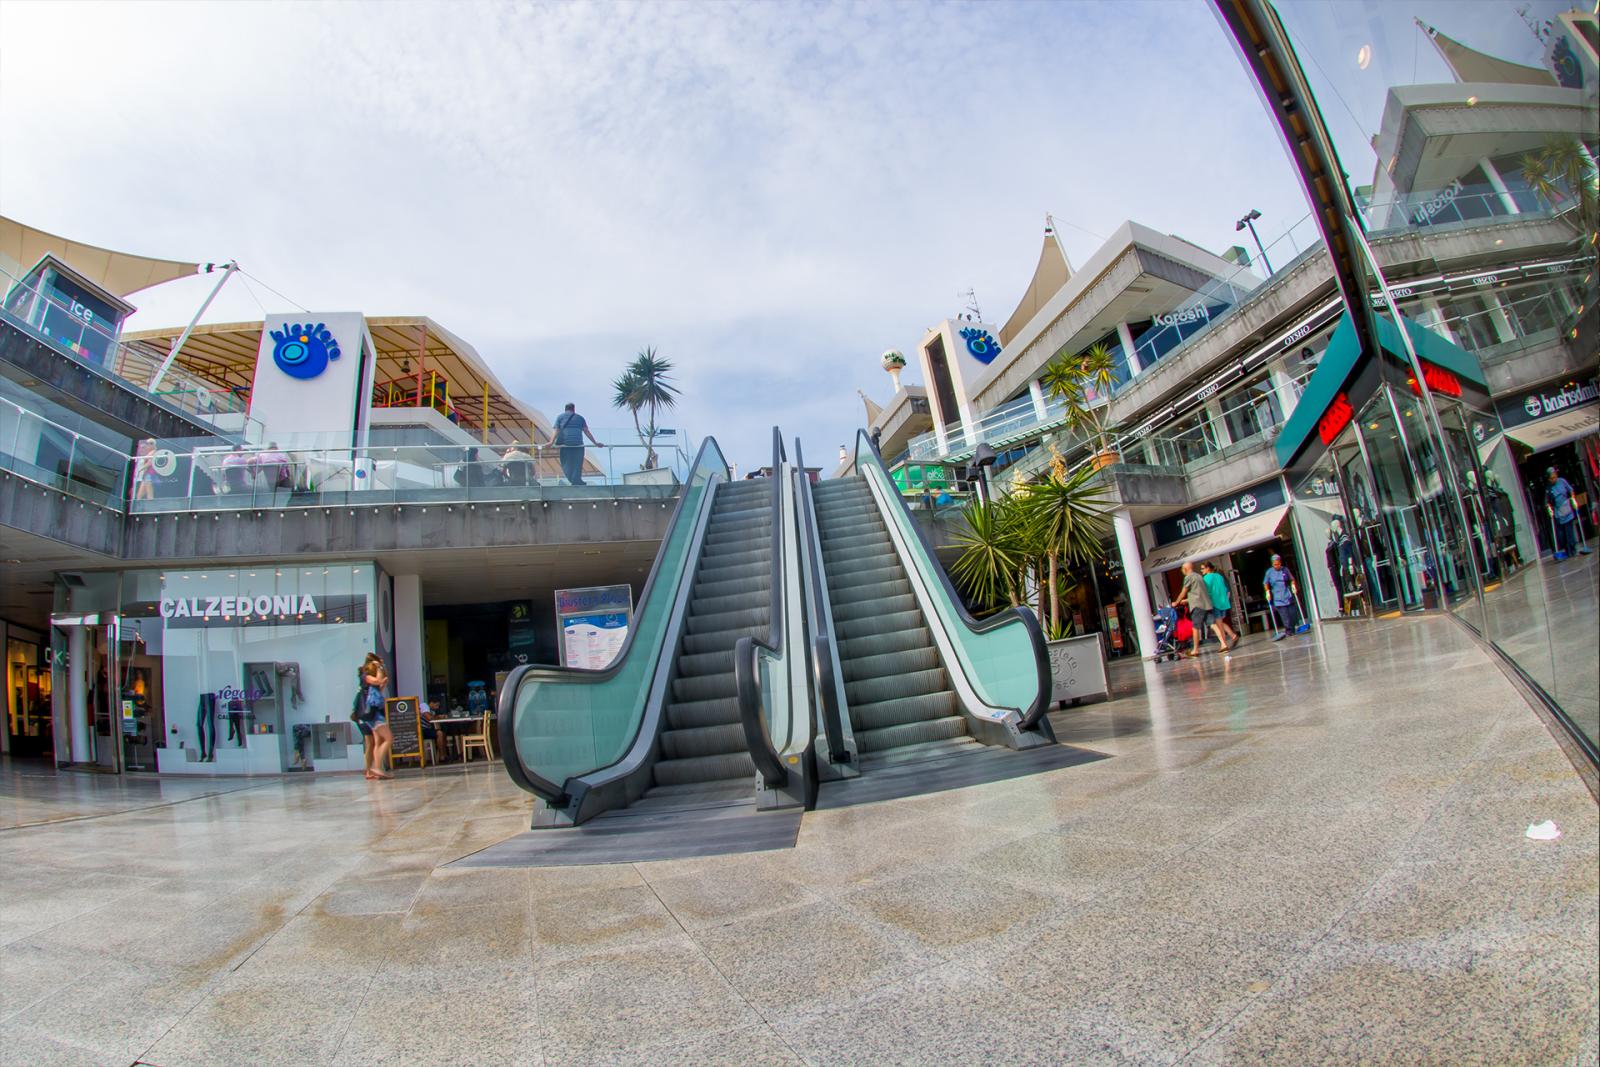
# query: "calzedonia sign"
{"type": "Point", "coordinates": [291, 609]}
{"type": "Point", "coordinates": [1220, 512]}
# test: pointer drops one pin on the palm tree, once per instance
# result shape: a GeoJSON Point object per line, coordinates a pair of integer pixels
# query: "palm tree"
{"type": "Point", "coordinates": [992, 564]}
{"type": "Point", "coordinates": [645, 385]}
{"type": "Point", "coordinates": [1562, 174]}
{"type": "Point", "coordinates": [1083, 384]}
{"type": "Point", "coordinates": [1064, 519]}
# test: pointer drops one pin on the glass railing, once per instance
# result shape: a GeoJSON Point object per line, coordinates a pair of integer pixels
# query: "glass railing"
{"type": "Point", "coordinates": [561, 723]}
{"type": "Point", "coordinates": [999, 658]}
{"type": "Point", "coordinates": [1447, 208]}
{"type": "Point", "coordinates": [48, 453]}
{"type": "Point", "coordinates": [42, 315]}
{"type": "Point", "coordinates": [197, 474]}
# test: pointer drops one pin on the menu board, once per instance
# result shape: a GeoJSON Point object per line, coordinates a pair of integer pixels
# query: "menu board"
{"type": "Point", "coordinates": [404, 715]}
{"type": "Point", "coordinates": [594, 624]}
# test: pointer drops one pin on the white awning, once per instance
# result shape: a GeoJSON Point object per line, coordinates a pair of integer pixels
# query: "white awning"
{"type": "Point", "coordinates": [1240, 534]}
{"type": "Point", "coordinates": [1558, 429]}
{"type": "Point", "coordinates": [119, 273]}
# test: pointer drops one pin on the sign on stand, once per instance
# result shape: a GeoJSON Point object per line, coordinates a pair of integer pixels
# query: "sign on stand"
{"type": "Point", "coordinates": [404, 715]}
{"type": "Point", "coordinates": [594, 624]}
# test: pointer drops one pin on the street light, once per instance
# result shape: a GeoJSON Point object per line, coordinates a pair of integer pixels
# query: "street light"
{"type": "Point", "coordinates": [1250, 221]}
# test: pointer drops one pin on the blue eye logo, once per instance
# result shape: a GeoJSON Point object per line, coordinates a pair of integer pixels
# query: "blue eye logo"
{"type": "Point", "coordinates": [983, 347]}
{"type": "Point", "coordinates": [303, 351]}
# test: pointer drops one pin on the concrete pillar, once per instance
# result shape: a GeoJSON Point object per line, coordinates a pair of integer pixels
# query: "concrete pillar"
{"type": "Point", "coordinates": [1283, 387]}
{"type": "Point", "coordinates": [1499, 185]}
{"type": "Point", "coordinates": [1497, 317]}
{"type": "Point", "coordinates": [1439, 325]}
{"type": "Point", "coordinates": [78, 694]}
{"type": "Point", "coordinates": [1126, 336]}
{"type": "Point", "coordinates": [1144, 626]}
{"type": "Point", "coordinates": [1037, 394]}
{"type": "Point", "coordinates": [1219, 425]}
{"type": "Point", "coordinates": [409, 652]}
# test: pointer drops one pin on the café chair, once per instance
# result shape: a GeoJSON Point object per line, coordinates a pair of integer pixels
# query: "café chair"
{"type": "Point", "coordinates": [478, 740]}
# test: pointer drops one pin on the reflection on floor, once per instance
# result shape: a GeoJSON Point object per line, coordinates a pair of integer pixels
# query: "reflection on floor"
{"type": "Point", "coordinates": [1312, 853]}
{"type": "Point", "coordinates": [1547, 618]}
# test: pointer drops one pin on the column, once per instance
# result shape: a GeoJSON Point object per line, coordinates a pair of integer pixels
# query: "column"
{"type": "Point", "coordinates": [1219, 425]}
{"type": "Point", "coordinates": [1497, 317]}
{"type": "Point", "coordinates": [1144, 626]}
{"type": "Point", "coordinates": [410, 657]}
{"type": "Point", "coordinates": [1440, 324]}
{"type": "Point", "coordinates": [1498, 184]}
{"type": "Point", "coordinates": [1126, 336]}
{"type": "Point", "coordinates": [1283, 388]}
{"type": "Point", "coordinates": [1037, 394]}
{"type": "Point", "coordinates": [78, 694]}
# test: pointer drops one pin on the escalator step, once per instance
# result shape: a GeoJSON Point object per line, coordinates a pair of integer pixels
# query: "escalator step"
{"type": "Point", "coordinates": [896, 686]}
{"type": "Point", "coordinates": [741, 601]}
{"type": "Point", "coordinates": [720, 739]}
{"type": "Point", "coordinates": [878, 624]}
{"type": "Point", "coordinates": [712, 574]}
{"type": "Point", "coordinates": [862, 609]}
{"type": "Point", "coordinates": [745, 619]}
{"type": "Point", "coordinates": [671, 772]}
{"type": "Point", "coordinates": [856, 592]}
{"type": "Point", "coordinates": [890, 664]}
{"type": "Point", "coordinates": [719, 641]}
{"type": "Point", "coordinates": [687, 686]}
{"type": "Point", "coordinates": [702, 664]}
{"type": "Point", "coordinates": [898, 711]}
{"type": "Point", "coordinates": [713, 560]}
{"type": "Point", "coordinates": [694, 714]}
{"type": "Point", "coordinates": [885, 644]}
{"type": "Point", "coordinates": [854, 565]}
{"type": "Point", "coordinates": [910, 734]}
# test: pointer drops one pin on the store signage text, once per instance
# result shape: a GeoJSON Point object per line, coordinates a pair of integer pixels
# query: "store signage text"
{"type": "Point", "coordinates": [1548, 401]}
{"type": "Point", "coordinates": [1438, 202]}
{"type": "Point", "coordinates": [1220, 512]}
{"type": "Point", "coordinates": [1335, 419]}
{"type": "Point", "coordinates": [1198, 313]}
{"type": "Point", "coordinates": [1439, 380]}
{"type": "Point", "coordinates": [226, 607]}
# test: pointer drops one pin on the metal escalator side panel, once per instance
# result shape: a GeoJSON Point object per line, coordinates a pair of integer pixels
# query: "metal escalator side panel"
{"type": "Point", "coordinates": [570, 725]}
{"type": "Point", "coordinates": [998, 667]}
{"type": "Point", "coordinates": [837, 754]}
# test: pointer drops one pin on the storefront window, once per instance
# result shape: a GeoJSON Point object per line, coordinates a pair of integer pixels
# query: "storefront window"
{"type": "Point", "coordinates": [257, 665]}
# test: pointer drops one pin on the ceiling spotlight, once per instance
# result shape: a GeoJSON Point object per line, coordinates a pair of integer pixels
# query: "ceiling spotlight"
{"type": "Point", "coordinates": [1364, 57]}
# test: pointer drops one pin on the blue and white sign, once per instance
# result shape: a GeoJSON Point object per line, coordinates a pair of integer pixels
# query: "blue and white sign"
{"type": "Point", "coordinates": [303, 350]}
{"type": "Point", "coordinates": [1220, 512]}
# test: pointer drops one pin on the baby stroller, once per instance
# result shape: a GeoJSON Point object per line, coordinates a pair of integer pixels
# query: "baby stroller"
{"type": "Point", "coordinates": [1167, 622]}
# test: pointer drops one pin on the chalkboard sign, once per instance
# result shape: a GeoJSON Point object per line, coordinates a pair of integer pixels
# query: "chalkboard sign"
{"type": "Point", "coordinates": [405, 723]}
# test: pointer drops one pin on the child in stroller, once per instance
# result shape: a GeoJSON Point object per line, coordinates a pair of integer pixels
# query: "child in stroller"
{"type": "Point", "coordinates": [1172, 629]}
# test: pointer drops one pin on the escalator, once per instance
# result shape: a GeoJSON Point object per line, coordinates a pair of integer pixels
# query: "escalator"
{"type": "Point", "coordinates": [701, 718]}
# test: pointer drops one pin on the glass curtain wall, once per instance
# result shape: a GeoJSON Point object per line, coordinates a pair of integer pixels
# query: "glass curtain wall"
{"type": "Point", "coordinates": [1479, 120]}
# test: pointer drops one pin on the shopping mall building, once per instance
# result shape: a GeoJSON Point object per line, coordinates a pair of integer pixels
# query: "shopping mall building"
{"type": "Point", "coordinates": [1249, 418]}
{"type": "Point", "coordinates": [204, 531]}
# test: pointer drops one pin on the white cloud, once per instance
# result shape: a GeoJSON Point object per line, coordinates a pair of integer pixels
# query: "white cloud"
{"type": "Point", "coordinates": [771, 193]}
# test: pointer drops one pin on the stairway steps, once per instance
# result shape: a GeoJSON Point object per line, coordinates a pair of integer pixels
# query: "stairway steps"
{"type": "Point", "coordinates": [723, 561]}
{"type": "Point", "coordinates": [859, 564]}
{"type": "Point", "coordinates": [859, 592]}
{"type": "Point", "coordinates": [750, 597]}
{"type": "Point", "coordinates": [720, 641]}
{"type": "Point", "coordinates": [865, 609]}
{"type": "Point", "coordinates": [872, 691]}
{"type": "Point", "coordinates": [889, 664]}
{"type": "Point", "coordinates": [706, 685]}
{"type": "Point", "coordinates": [670, 772]}
{"type": "Point", "coordinates": [741, 575]}
{"type": "Point", "coordinates": [701, 741]}
{"type": "Point", "coordinates": [695, 714]}
{"type": "Point", "coordinates": [890, 737]}
{"type": "Point", "coordinates": [877, 624]}
{"type": "Point", "coordinates": [744, 619]}
{"type": "Point", "coordinates": [922, 752]}
{"type": "Point", "coordinates": [897, 711]}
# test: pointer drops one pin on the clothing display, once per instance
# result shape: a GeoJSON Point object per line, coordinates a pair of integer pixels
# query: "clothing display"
{"type": "Point", "coordinates": [1341, 556]}
{"type": "Point", "coordinates": [205, 724]}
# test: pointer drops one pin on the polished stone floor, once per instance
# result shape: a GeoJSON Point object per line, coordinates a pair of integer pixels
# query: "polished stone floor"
{"type": "Point", "coordinates": [1312, 853]}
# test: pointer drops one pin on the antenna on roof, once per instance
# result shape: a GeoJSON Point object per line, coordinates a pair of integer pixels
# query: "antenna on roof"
{"type": "Point", "coordinates": [972, 304]}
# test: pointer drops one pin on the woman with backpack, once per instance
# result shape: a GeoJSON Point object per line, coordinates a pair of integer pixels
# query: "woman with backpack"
{"type": "Point", "coordinates": [368, 715]}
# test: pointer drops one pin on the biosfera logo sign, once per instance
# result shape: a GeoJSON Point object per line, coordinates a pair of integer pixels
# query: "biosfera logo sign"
{"type": "Point", "coordinates": [304, 350]}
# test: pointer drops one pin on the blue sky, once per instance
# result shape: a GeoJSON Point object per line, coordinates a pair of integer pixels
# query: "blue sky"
{"type": "Point", "coordinates": [770, 194]}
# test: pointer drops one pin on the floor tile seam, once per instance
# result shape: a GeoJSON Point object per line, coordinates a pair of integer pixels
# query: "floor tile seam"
{"type": "Point", "coordinates": [350, 1017]}
{"type": "Point", "coordinates": [50, 823]}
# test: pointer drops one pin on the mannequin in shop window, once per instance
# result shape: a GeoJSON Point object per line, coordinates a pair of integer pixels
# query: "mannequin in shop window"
{"type": "Point", "coordinates": [1341, 556]}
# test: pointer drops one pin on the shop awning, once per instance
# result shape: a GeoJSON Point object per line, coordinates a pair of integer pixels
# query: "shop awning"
{"type": "Point", "coordinates": [1240, 534]}
{"type": "Point", "coordinates": [1558, 429]}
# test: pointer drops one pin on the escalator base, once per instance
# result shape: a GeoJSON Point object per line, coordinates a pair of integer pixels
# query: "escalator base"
{"type": "Point", "coordinates": [630, 836]}
{"type": "Point", "coordinates": [953, 769]}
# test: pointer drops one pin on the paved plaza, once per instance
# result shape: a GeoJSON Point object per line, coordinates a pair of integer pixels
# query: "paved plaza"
{"type": "Point", "coordinates": [1313, 853]}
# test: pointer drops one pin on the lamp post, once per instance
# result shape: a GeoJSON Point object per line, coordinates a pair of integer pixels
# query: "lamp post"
{"type": "Point", "coordinates": [1250, 221]}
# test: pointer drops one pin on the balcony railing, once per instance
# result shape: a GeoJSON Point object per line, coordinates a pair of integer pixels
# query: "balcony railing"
{"type": "Point", "coordinates": [46, 452]}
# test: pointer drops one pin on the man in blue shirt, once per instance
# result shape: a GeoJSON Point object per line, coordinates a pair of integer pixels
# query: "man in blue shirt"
{"type": "Point", "coordinates": [1564, 510]}
{"type": "Point", "coordinates": [571, 429]}
{"type": "Point", "coordinates": [1281, 594]}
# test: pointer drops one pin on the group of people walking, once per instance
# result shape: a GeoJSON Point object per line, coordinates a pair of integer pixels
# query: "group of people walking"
{"type": "Point", "coordinates": [1205, 594]}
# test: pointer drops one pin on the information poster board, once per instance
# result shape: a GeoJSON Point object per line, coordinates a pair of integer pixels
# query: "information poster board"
{"type": "Point", "coordinates": [404, 715]}
{"type": "Point", "coordinates": [593, 624]}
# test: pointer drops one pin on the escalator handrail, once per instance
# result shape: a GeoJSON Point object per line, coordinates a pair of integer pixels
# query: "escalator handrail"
{"type": "Point", "coordinates": [821, 649]}
{"type": "Point", "coordinates": [1041, 702]}
{"type": "Point", "coordinates": [746, 668]}
{"type": "Point", "coordinates": [505, 706]}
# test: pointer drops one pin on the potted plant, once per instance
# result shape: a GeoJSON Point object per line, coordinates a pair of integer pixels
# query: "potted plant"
{"type": "Point", "coordinates": [646, 386]}
{"type": "Point", "coordinates": [1563, 175]}
{"type": "Point", "coordinates": [1083, 383]}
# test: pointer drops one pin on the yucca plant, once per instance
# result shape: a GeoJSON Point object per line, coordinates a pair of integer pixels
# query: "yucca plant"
{"type": "Point", "coordinates": [1063, 518]}
{"type": "Point", "coordinates": [1083, 384]}
{"type": "Point", "coordinates": [991, 565]}
{"type": "Point", "coordinates": [646, 385]}
{"type": "Point", "coordinates": [1562, 174]}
